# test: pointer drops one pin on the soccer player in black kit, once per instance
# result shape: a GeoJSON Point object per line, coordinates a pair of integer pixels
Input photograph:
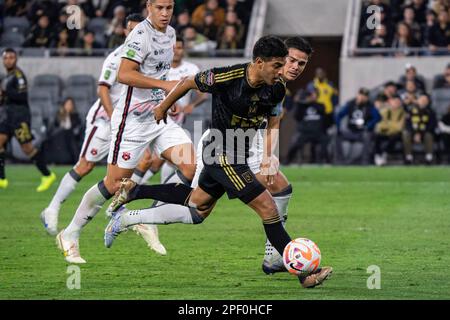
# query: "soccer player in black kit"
{"type": "Point", "coordinates": [243, 97]}
{"type": "Point", "coordinates": [15, 120]}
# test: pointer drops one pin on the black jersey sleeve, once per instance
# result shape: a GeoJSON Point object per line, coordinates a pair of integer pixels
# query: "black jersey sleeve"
{"type": "Point", "coordinates": [16, 89]}
{"type": "Point", "coordinates": [213, 79]}
{"type": "Point", "coordinates": [279, 92]}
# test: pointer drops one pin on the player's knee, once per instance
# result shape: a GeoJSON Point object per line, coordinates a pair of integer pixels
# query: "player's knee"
{"type": "Point", "coordinates": [188, 170]}
{"type": "Point", "coordinates": [84, 167]}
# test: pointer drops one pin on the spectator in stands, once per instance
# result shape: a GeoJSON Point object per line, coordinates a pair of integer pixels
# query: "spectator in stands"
{"type": "Point", "coordinates": [328, 94]}
{"type": "Point", "coordinates": [388, 132]}
{"type": "Point", "coordinates": [419, 129]}
{"type": "Point", "coordinates": [68, 124]}
{"type": "Point", "coordinates": [420, 9]}
{"type": "Point", "coordinates": [232, 18]}
{"type": "Point", "coordinates": [88, 45]}
{"type": "Point", "coordinates": [362, 118]}
{"type": "Point", "coordinates": [239, 7]}
{"type": "Point", "coordinates": [310, 116]}
{"type": "Point", "coordinates": [194, 41]}
{"type": "Point", "coordinates": [426, 27]}
{"type": "Point", "coordinates": [414, 26]}
{"type": "Point", "coordinates": [390, 89]}
{"type": "Point", "coordinates": [61, 43]}
{"type": "Point", "coordinates": [209, 28]}
{"type": "Point", "coordinates": [198, 16]}
{"type": "Point", "coordinates": [443, 81]}
{"type": "Point", "coordinates": [439, 36]}
{"type": "Point", "coordinates": [15, 8]}
{"type": "Point", "coordinates": [229, 39]}
{"type": "Point", "coordinates": [444, 128]}
{"type": "Point", "coordinates": [379, 39]}
{"type": "Point", "coordinates": [118, 20]}
{"type": "Point", "coordinates": [117, 38]}
{"type": "Point", "coordinates": [183, 21]}
{"type": "Point", "coordinates": [411, 74]}
{"type": "Point", "coordinates": [410, 94]}
{"type": "Point", "coordinates": [404, 41]}
{"type": "Point", "coordinates": [41, 34]}
{"type": "Point", "coordinates": [100, 7]}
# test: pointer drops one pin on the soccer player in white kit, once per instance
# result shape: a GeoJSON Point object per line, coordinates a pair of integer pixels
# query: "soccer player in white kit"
{"type": "Point", "coordinates": [97, 141]}
{"type": "Point", "coordinates": [180, 68]}
{"type": "Point", "coordinates": [146, 58]}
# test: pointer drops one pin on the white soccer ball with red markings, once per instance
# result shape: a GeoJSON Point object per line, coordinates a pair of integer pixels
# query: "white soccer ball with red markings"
{"type": "Point", "coordinates": [301, 256]}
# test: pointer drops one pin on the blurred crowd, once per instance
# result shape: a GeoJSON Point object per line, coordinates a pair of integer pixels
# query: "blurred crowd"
{"type": "Point", "coordinates": [398, 121]}
{"type": "Point", "coordinates": [204, 24]}
{"type": "Point", "coordinates": [406, 25]}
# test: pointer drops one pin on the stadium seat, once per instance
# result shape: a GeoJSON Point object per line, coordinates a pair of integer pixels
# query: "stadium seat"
{"type": "Point", "coordinates": [98, 25]}
{"type": "Point", "coordinates": [83, 82]}
{"type": "Point", "coordinates": [41, 101]}
{"type": "Point", "coordinates": [16, 24]}
{"type": "Point", "coordinates": [12, 39]}
{"type": "Point", "coordinates": [440, 101]}
{"type": "Point", "coordinates": [50, 83]}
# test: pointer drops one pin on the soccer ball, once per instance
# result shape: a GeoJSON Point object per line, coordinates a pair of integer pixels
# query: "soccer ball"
{"type": "Point", "coordinates": [301, 256]}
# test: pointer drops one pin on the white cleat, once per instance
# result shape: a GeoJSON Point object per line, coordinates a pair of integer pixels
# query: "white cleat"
{"type": "Point", "coordinates": [70, 249]}
{"type": "Point", "coordinates": [49, 218]}
{"type": "Point", "coordinates": [150, 234]}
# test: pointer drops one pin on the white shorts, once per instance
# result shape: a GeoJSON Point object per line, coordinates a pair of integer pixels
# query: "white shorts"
{"type": "Point", "coordinates": [253, 161]}
{"type": "Point", "coordinates": [96, 142]}
{"type": "Point", "coordinates": [131, 136]}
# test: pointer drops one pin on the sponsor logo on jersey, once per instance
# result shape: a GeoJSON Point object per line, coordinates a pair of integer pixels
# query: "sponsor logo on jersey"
{"type": "Point", "coordinates": [94, 152]}
{"type": "Point", "coordinates": [159, 52]}
{"type": "Point", "coordinates": [162, 66]}
{"type": "Point", "coordinates": [107, 74]}
{"type": "Point", "coordinates": [131, 53]}
{"type": "Point", "coordinates": [247, 177]}
{"type": "Point", "coordinates": [134, 45]}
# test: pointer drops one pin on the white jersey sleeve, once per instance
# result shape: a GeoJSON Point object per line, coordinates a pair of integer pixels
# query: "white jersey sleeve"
{"type": "Point", "coordinates": [110, 68]}
{"type": "Point", "coordinates": [137, 45]}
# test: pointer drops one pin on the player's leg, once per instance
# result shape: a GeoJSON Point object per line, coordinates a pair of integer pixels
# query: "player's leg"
{"type": "Point", "coordinates": [189, 206]}
{"type": "Point", "coordinates": [95, 147]}
{"type": "Point", "coordinates": [3, 180]}
{"type": "Point", "coordinates": [38, 158]}
{"type": "Point", "coordinates": [143, 166]}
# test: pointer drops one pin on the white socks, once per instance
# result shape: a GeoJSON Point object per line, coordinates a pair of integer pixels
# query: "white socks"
{"type": "Point", "coordinates": [161, 214]}
{"type": "Point", "coordinates": [65, 188]}
{"type": "Point", "coordinates": [90, 205]}
{"type": "Point", "coordinates": [166, 171]}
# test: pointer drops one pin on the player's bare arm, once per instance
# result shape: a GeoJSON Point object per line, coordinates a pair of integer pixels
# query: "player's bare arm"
{"type": "Point", "coordinates": [182, 87]}
{"type": "Point", "coordinates": [269, 164]}
{"type": "Point", "coordinates": [129, 74]}
{"type": "Point", "coordinates": [105, 98]}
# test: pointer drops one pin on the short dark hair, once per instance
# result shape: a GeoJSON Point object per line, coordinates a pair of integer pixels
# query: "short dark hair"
{"type": "Point", "coordinates": [300, 44]}
{"type": "Point", "coordinates": [269, 47]}
{"type": "Point", "coordinates": [135, 17]}
{"type": "Point", "coordinates": [9, 50]}
{"type": "Point", "coordinates": [180, 38]}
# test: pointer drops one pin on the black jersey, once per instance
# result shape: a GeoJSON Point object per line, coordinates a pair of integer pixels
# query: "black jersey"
{"type": "Point", "coordinates": [15, 89]}
{"type": "Point", "coordinates": [238, 109]}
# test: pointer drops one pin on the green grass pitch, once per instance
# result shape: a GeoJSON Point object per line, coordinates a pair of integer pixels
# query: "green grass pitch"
{"type": "Point", "coordinates": [395, 218]}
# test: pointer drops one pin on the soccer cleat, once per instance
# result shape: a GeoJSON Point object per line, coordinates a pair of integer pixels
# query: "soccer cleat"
{"type": "Point", "coordinates": [121, 196]}
{"type": "Point", "coordinates": [150, 234]}
{"type": "Point", "coordinates": [114, 227]}
{"type": "Point", "coordinates": [316, 278]}
{"type": "Point", "coordinates": [273, 262]}
{"type": "Point", "coordinates": [70, 249]}
{"type": "Point", "coordinates": [3, 183]}
{"type": "Point", "coordinates": [46, 182]}
{"type": "Point", "coordinates": [49, 218]}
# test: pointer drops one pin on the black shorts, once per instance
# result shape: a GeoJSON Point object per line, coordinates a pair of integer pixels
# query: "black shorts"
{"type": "Point", "coordinates": [16, 121]}
{"type": "Point", "coordinates": [238, 181]}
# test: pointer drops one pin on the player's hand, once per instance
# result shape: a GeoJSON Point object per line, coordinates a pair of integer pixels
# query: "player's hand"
{"type": "Point", "coordinates": [160, 114]}
{"type": "Point", "coordinates": [269, 168]}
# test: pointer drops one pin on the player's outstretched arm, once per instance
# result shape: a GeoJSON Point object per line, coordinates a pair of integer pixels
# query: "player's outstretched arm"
{"type": "Point", "coordinates": [129, 74]}
{"type": "Point", "coordinates": [182, 87]}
